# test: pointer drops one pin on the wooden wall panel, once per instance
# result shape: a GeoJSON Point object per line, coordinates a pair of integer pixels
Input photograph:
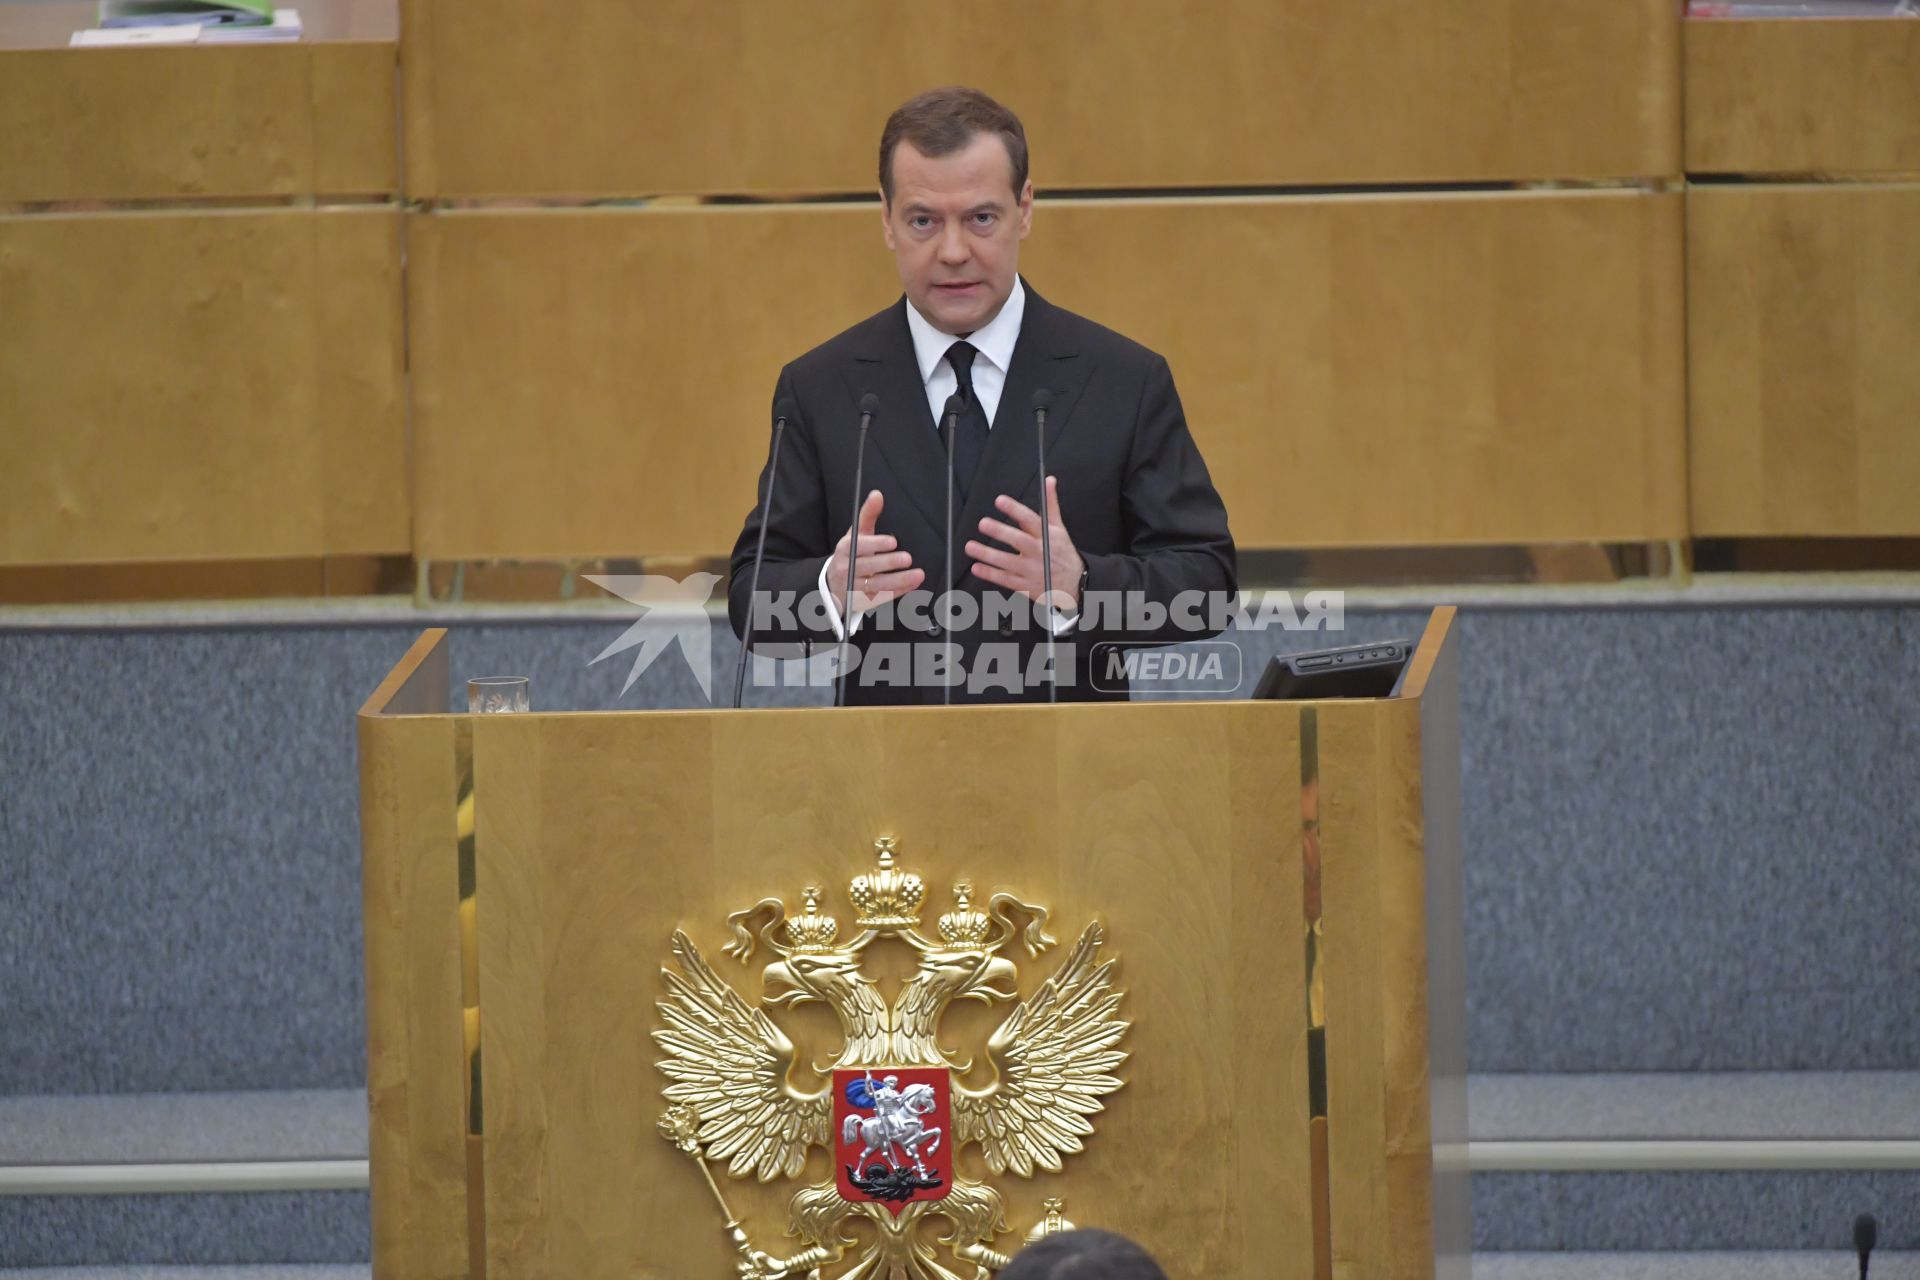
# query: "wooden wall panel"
{"type": "Point", "coordinates": [598, 382]}
{"type": "Point", "coordinates": [1380, 371]}
{"type": "Point", "coordinates": [1831, 95]}
{"type": "Point", "coordinates": [415, 1079]}
{"type": "Point", "coordinates": [598, 835]}
{"type": "Point", "coordinates": [1803, 326]}
{"type": "Point", "coordinates": [1184, 831]}
{"type": "Point", "coordinates": [1359, 371]}
{"type": "Point", "coordinates": [736, 96]}
{"type": "Point", "coordinates": [199, 386]}
{"type": "Point", "coordinates": [316, 117]}
{"type": "Point", "coordinates": [1437, 865]}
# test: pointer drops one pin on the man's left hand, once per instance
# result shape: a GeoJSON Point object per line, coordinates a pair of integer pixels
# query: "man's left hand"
{"type": "Point", "coordinates": [1016, 566]}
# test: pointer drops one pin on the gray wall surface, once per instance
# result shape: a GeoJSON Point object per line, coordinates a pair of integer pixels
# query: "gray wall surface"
{"type": "Point", "coordinates": [1690, 836]}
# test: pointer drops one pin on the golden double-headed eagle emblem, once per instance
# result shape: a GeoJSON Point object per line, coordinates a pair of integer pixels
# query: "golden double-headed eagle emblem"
{"type": "Point", "coordinates": [893, 1110]}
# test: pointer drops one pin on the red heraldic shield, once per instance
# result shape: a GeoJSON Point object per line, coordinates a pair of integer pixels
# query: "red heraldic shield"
{"type": "Point", "coordinates": [893, 1134]}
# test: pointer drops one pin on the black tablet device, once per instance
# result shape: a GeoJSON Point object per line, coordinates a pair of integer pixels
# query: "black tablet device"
{"type": "Point", "coordinates": [1352, 671]}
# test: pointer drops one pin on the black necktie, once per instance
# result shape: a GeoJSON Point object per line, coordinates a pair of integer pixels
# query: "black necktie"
{"type": "Point", "coordinates": [970, 440]}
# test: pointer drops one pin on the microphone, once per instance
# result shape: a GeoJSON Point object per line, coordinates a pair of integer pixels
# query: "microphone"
{"type": "Point", "coordinates": [869, 405]}
{"type": "Point", "coordinates": [950, 418]}
{"type": "Point", "coordinates": [1042, 400]}
{"type": "Point", "coordinates": [783, 412]}
{"type": "Point", "coordinates": [1866, 1234]}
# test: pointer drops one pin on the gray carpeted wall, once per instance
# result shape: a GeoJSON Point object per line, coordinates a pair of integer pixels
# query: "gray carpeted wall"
{"type": "Point", "coordinates": [1691, 838]}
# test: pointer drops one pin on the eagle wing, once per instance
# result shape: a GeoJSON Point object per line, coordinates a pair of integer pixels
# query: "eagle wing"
{"type": "Point", "coordinates": [729, 1063]}
{"type": "Point", "coordinates": [1056, 1059]}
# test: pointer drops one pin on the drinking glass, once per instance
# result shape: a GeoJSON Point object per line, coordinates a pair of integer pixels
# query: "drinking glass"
{"type": "Point", "coordinates": [497, 695]}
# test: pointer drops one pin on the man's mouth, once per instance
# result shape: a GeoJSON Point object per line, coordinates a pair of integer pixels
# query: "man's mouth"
{"type": "Point", "coordinates": [958, 287]}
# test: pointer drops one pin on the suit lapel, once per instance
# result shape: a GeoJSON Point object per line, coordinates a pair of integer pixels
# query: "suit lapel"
{"type": "Point", "coordinates": [905, 434]}
{"type": "Point", "coordinates": [903, 430]}
{"type": "Point", "coordinates": [1043, 357]}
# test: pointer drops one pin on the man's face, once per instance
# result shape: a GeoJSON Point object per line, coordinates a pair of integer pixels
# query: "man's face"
{"type": "Point", "coordinates": [955, 226]}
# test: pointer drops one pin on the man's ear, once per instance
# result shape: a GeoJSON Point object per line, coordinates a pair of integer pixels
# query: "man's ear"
{"type": "Point", "coordinates": [886, 219]}
{"type": "Point", "coordinates": [1026, 208]}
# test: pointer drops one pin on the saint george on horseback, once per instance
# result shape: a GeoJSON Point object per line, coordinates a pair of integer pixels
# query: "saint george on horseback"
{"type": "Point", "coordinates": [894, 1131]}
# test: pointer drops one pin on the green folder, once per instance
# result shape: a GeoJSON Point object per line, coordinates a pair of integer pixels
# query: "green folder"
{"type": "Point", "coordinates": [172, 13]}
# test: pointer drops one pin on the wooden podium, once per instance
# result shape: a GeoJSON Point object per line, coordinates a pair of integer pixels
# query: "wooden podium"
{"type": "Point", "coordinates": [1279, 884]}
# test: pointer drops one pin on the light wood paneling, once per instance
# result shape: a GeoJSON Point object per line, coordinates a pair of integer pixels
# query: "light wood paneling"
{"type": "Point", "coordinates": [418, 683]}
{"type": "Point", "coordinates": [1177, 825]}
{"type": "Point", "coordinates": [1803, 327]}
{"type": "Point", "coordinates": [1438, 867]}
{"type": "Point", "coordinates": [1354, 954]}
{"type": "Point", "coordinates": [1828, 95]}
{"type": "Point", "coordinates": [1391, 960]}
{"type": "Point", "coordinates": [416, 1120]}
{"type": "Point", "coordinates": [1166, 822]}
{"type": "Point", "coordinates": [1359, 371]}
{"type": "Point", "coordinates": [315, 117]}
{"type": "Point", "coordinates": [201, 386]}
{"type": "Point", "coordinates": [598, 382]}
{"type": "Point", "coordinates": [706, 96]}
{"type": "Point", "coordinates": [206, 580]}
{"type": "Point", "coordinates": [1375, 371]}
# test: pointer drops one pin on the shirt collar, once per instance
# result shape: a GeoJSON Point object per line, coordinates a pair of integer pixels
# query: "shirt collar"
{"type": "Point", "coordinates": [994, 341]}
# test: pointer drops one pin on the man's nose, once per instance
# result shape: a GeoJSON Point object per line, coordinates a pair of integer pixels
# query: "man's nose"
{"type": "Point", "coordinates": [953, 246]}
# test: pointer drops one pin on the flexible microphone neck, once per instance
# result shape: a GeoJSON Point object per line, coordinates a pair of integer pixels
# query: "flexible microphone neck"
{"type": "Point", "coordinates": [1042, 400]}
{"type": "Point", "coordinates": [869, 405]}
{"type": "Point", "coordinates": [1866, 1234]}
{"type": "Point", "coordinates": [781, 413]}
{"type": "Point", "coordinates": [950, 419]}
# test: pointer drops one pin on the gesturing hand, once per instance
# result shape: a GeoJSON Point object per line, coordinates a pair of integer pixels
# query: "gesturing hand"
{"type": "Point", "coordinates": [1016, 566]}
{"type": "Point", "coordinates": [881, 573]}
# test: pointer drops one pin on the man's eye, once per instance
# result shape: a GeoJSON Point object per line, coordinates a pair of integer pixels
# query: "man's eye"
{"type": "Point", "coordinates": [920, 224]}
{"type": "Point", "coordinates": [983, 219]}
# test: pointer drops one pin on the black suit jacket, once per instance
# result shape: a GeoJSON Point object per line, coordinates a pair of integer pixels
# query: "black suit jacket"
{"type": "Point", "coordinates": [1133, 490]}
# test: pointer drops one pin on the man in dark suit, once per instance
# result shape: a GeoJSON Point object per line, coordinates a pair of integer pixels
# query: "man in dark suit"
{"type": "Point", "coordinates": [1139, 536]}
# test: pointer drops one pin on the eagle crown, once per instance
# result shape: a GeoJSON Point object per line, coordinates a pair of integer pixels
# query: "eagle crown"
{"type": "Point", "coordinates": [887, 898]}
{"type": "Point", "coordinates": [814, 932]}
{"type": "Point", "coordinates": [964, 926]}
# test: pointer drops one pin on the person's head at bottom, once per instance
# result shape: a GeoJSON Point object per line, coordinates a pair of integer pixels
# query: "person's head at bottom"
{"type": "Point", "coordinates": [1083, 1255]}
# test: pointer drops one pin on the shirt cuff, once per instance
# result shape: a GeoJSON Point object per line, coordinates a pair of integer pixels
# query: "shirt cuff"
{"type": "Point", "coordinates": [833, 606]}
{"type": "Point", "coordinates": [1059, 623]}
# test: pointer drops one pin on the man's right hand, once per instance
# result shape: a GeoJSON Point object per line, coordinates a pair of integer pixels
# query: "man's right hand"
{"type": "Point", "coordinates": [882, 573]}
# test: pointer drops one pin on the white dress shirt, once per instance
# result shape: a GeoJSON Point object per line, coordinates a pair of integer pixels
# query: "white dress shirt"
{"type": "Point", "coordinates": [994, 343]}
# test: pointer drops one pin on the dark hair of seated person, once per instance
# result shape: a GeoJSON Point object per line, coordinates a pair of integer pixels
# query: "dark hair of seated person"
{"type": "Point", "coordinates": [1083, 1255]}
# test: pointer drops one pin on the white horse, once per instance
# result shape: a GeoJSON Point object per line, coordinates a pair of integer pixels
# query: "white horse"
{"type": "Point", "coordinates": [896, 1123]}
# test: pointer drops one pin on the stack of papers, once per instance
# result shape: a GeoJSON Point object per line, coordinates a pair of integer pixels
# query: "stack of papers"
{"type": "Point", "coordinates": [183, 13]}
{"type": "Point", "coordinates": [283, 24]}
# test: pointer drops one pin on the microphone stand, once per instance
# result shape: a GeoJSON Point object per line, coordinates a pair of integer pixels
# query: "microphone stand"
{"type": "Point", "coordinates": [946, 583]}
{"type": "Point", "coordinates": [868, 404]}
{"type": "Point", "coordinates": [1866, 1234]}
{"type": "Point", "coordinates": [759, 554]}
{"type": "Point", "coordinates": [1041, 399]}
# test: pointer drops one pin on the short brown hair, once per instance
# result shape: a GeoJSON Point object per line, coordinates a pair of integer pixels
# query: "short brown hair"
{"type": "Point", "coordinates": [940, 122]}
{"type": "Point", "coordinates": [1086, 1254]}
